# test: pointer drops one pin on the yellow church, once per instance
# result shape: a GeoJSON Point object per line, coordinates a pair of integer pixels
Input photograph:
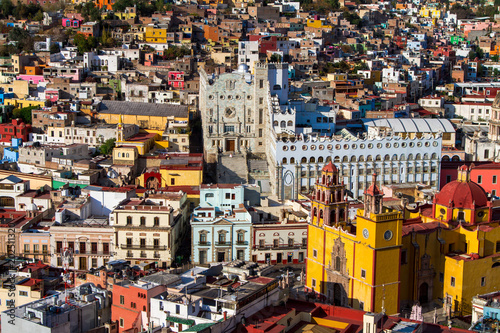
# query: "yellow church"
{"type": "Point", "coordinates": [386, 259]}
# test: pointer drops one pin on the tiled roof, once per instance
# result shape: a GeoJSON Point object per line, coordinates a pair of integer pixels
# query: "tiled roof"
{"type": "Point", "coordinates": [143, 109]}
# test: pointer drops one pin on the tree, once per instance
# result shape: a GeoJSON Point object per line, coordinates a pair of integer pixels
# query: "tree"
{"type": "Point", "coordinates": [54, 48]}
{"type": "Point", "coordinates": [38, 16]}
{"type": "Point", "coordinates": [7, 8]}
{"type": "Point", "coordinates": [24, 113]}
{"type": "Point", "coordinates": [84, 44]}
{"type": "Point", "coordinates": [107, 147]}
{"type": "Point", "coordinates": [275, 58]}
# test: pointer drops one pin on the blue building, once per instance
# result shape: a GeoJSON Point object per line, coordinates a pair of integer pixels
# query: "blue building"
{"type": "Point", "coordinates": [4, 95]}
{"type": "Point", "coordinates": [11, 154]}
{"type": "Point", "coordinates": [220, 225]}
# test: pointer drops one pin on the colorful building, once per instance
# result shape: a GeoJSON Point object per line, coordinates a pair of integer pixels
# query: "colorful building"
{"type": "Point", "coordinates": [15, 130]}
{"type": "Point", "coordinates": [445, 250]}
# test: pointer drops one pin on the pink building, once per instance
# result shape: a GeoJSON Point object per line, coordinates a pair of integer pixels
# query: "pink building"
{"type": "Point", "coordinates": [176, 80]}
{"type": "Point", "coordinates": [71, 23]}
{"type": "Point", "coordinates": [34, 79]}
{"type": "Point", "coordinates": [478, 26]}
{"type": "Point", "coordinates": [52, 95]}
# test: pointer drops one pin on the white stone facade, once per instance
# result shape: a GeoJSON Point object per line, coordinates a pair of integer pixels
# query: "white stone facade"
{"type": "Point", "coordinates": [396, 160]}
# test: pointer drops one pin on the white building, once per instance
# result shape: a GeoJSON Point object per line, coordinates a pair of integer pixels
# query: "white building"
{"type": "Point", "coordinates": [248, 53]}
{"type": "Point", "coordinates": [101, 62]}
{"type": "Point", "coordinates": [394, 158]}
{"type": "Point", "coordinates": [470, 111]}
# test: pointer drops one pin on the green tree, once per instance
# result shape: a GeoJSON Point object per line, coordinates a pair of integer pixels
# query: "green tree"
{"type": "Point", "coordinates": [275, 58]}
{"type": "Point", "coordinates": [38, 16]}
{"type": "Point", "coordinates": [24, 113]}
{"type": "Point", "coordinates": [107, 147]}
{"type": "Point", "coordinates": [54, 48]}
{"type": "Point", "coordinates": [84, 44]}
{"type": "Point", "coordinates": [7, 8]}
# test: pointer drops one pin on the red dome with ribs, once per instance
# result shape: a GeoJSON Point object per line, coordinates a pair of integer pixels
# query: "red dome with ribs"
{"type": "Point", "coordinates": [462, 194]}
{"type": "Point", "coordinates": [330, 167]}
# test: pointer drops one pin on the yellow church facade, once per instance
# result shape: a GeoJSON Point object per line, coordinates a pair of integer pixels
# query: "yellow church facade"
{"type": "Point", "coordinates": [389, 259]}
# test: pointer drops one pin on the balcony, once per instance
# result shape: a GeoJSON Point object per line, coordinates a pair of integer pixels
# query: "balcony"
{"type": "Point", "coordinates": [241, 243]}
{"type": "Point", "coordinates": [204, 243]}
{"type": "Point", "coordinates": [295, 246]}
{"type": "Point", "coordinates": [223, 243]}
{"type": "Point", "coordinates": [143, 247]}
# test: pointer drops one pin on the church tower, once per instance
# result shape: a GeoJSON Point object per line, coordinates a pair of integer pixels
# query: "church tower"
{"type": "Point", "coordinates": [119, 130]}
{"type": "Point", "coordinates": [329, 206]}
{"type": "Point", "coordinates": [373, 199]}
{"type": "Point", "coordinates": [329, 214]}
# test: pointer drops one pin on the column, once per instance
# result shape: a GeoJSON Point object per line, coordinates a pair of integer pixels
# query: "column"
{"type": "Point", "coordinates": [308, 177]}
{"type": "Point", "coordinates": [278, 181]}
{"type": "Point", "coordinates": [399, 165]}
{"type": "Point", "coordinates": [298, 169]}
{"type": "Point", "coordinates": [356, 182]}
{"type": "Point", "coordinates": [349, 178]}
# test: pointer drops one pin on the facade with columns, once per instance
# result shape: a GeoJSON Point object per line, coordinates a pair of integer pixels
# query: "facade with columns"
{"type": "Point", "coordinates": [395, 159]}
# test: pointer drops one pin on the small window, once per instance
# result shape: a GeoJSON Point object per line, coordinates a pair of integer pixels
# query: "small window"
{"type": "Point", "coordinates": [494, 179]}
{"type": "Point", "coordinates": [313, 283]}
{"type": "Point", "coordinates": [483, 281]}
{"type": "Point", "coordinates": [363, 274]}
{"type": "Point", "coordinates": [23, 293]}
{"type": "Point", "coordinates": [315, 253]}
{"type": "Point", "coordinates": [452, 282]}
{"type": "Point", "coordinates": [121, 322]}
{"type": "Point", "coordinates": [441, 277]}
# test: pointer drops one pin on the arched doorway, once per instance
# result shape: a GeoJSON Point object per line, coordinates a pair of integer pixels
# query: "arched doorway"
{"type": "Point", "coordinates": [337, 294]}
{"type": "Point", "coordinates": [424, 293]}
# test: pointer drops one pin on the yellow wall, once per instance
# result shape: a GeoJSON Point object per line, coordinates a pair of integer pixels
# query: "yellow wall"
{"type": "Point", "coordinates": [23, 103]}
{"type": "Point", "coordinates": [155, 35]}
{"type": "Point", "coordinates": [151, 122]}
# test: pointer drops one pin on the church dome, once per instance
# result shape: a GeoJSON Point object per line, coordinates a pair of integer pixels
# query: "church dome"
{"type": "Point", "coordinates": [330, 167]}
{"type": "Point", "coordinates": [462, 194]}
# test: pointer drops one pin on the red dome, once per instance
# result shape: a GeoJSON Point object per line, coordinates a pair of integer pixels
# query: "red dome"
{"type": "Point", "coordinates": [330, 167]}
{"type": "Point", "coordinates": [462, 194]}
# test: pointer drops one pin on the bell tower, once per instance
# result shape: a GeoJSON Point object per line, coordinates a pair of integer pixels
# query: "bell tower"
{"type": "Point", "coordinates": [373, 199]}
{"type": "Point", "coordinates": [329, 205]}
{"type": "Point", "coordinates": [119, 131]}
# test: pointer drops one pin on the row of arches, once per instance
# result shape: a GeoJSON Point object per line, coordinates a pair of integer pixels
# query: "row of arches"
{"type": "Point", "coordinates": [329, 219]}
{"type": "Point", "coordinates": [328, 197]}
{"type": "Point", "coordinates": [362, 158]}
{"type": "Point", "coordinates": [283, 123]}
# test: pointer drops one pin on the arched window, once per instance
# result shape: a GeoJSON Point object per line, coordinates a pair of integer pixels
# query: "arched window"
{"type": "Point", "coordinates": [323, 196]}
{"type": "Point", "coordinates": [303, 160]}
{"type": "Point", "coordinates": [315, 211]}
{"type": "Point", "coordinates": [369, 158]}
{"type": "Point", "coordinates": [275, 123]}
{"type": "Point", "coordinates": [312, 160]}
{"type": "Point", "coordinates": [283, 124]}
{"type": "Point", "coordinates": [378, 158]}
{"type": "Point", "coordinates": [418, 156]}
{"type": "Point", "coordinates": [333, 217]}
{"type": "Point", "coordinates": [321, 213]}
{"type": "Point", "coordinates": [336, 159]}
{"type": "Point", "coordinates": [143, 221]}
{"type": "Point", "coordinates": [353, 158]}
{"type": "Point", "coordinates": [320, 159]}
{"type": "Point", "coordinates": [284, 160]}
{"type": "Point", "coordinates": [129, 220]}
{"type": "Point", "coordinates": [446, 158]}
{"type": "Point", "coordinates": [156, 221]}
{"type": "Point", "coordinates": [455, 158]}
{"type": "Point", "coordinates": [292, 160]}
{"type": "Point", "coordinates": [387, 157]}
{"type": "Point", "coordinates": [290, 123]}
{"type": "Point", "coordinates": [337, 263]}
{"type": "Point", "coordinates": [324, 178]}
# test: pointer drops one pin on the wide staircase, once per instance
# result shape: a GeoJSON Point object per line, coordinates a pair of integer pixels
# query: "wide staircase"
{"type": "Point", "coordinates": [232, 169]}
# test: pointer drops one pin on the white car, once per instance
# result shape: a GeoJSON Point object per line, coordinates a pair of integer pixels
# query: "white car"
{"type": "Point", "coordinates": [290, 274]}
